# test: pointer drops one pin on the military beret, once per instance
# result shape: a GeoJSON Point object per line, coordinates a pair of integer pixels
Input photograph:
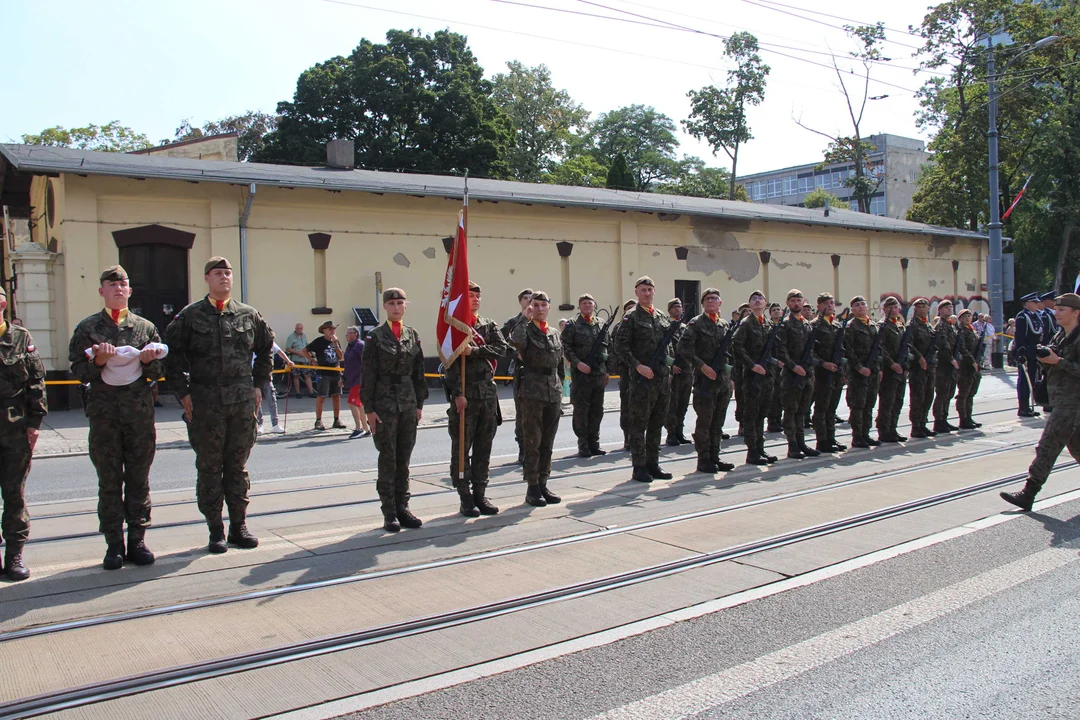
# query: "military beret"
{"type": "Point", "coordinates": [113, 273]}
{"type": "Point", "coordinates": [824, 297]}
{"type": "Point", "coordinates": [644, 280]}
{"type": "Point", "coordinates": [921, 301]}
{"type": "Point", "coordinates": [628, 304]}
{"type": "Point", "coordinates": [857, 299]}
{"type": "Point", "coordinates": [393, 294]}
{"type": "Point", "coordinates": [756, 292]}
{"type": "Point", "coordinates": [708, 292]}
{"type": "Point", "coordinates": [1031, 297]}
{"type": "Point", "coordinates": [585, 296]}
{"type": "Point", "coordinates": [964, 312]}
{"type": "Point", "coordinates": [673, 302]}
{"type": "Point", "coordinates": [945, 302]}
{"type": "Point", "coordinates": [891, 300]}
{"type": "Point", "coordinates": [214, 263]}
{"type": "Point", "coordinates": [1069, 300]}
{"type": "Point", "coordinates": [1049, 296]}
{"type": "Point", "coordinates": [523, 293]}
{"type": "Point", "coordinates": [774, 306]}
{"type": "Point", "coordinates": [474, 286]}
{"type": "Point", "coordinates": [744, 306]}
{"type": "Point", "coordinates": [794, 293]}
{"type": "Point", "coordinates": [541, 295]}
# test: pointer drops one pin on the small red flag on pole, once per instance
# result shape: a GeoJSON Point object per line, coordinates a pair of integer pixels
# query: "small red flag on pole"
{"type": "Point", "coordinates": [1018, 196]}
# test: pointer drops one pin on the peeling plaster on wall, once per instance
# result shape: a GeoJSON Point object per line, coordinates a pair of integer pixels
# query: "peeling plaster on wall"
{"type": "Point", "coordinates": [429, 253]}
{"type": "Point", "coordinates": [656, 253]}
{"type": "Point", "coordinates": [667, 217]}
{"type": "Point", "coordinates": [401, 260]}
{"type": "Point", "coordinates": [804, 265]}
{"type": "Point", "coordinates": [970, 286]}
{"type": "Point", "coordinates": [720, 251]}
{"type": "Point", "coordinates": [780, 265]}
{"type": "Point", "coordinates": [941, 246]}
{"type": "Point", "coordinates": [932, 283]}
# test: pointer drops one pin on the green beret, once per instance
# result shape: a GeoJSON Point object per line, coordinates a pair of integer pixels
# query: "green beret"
{"type": "Point", "coordinates": [214, 263]}
{"type": "Point", "coordinates": [857, 299]}
{"type": "Point", "coordinates": [113, 273]}
{"type": "Point", "coordinates": [1069, 300]}
{"type": "Point", "coordinates": [585, 296]}
{"type": "Point", "coordinates": [644, 280]}
{"type": "Point", "coordinates": [393, 294]}
{"type": "Point", "coordinates": [708, 292]}
{"type": "Point", "coordinates": [523, 293]}
{"type": "Point", "coordinates": [794, 293]}
{"type": "Point", "coordinates": [541, 295]}
{"type": "Point", "coordinates": [824, 297]}
{"type": "Point", "coordinates": [891, 300]}
{"type": "Point", "coordinates": [673, 302]}
{"type": "Point", "coordinates": [473, 286]}
{"type": "Point", "coordinates": [921, 301]}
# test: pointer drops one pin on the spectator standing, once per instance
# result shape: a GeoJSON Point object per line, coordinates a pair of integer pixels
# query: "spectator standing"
{"type": "Point", "coordinates": [270, 397]}
{"type": "Point", "coordinates": [325, 351]}
{"type": "Point", "coordinates": [354, 363]}
{"type": "Point", "coordinates": [294, 346]}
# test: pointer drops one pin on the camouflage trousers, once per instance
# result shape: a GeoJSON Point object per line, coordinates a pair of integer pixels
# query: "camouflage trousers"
{"type": "Point", "coordinates": [756, 397]}
{"type": "Point", "coordinates": [944, 389]}
{"type": "Point", "coordinates": [920, 396]}
{"type": "Point", "coordinates": [480, 425]}
{"type": "Point", "coordinates": [711, 400]}
{"type": "Point", "coordinates": [890, 401]}
{"type": "Point", "coordinates": [587, 396]}
{"type": "Point", "coordinates": [776, 402]}
{"type": "Point", "coordinates": [681, 387]}
{"type": "Point", "coordinates": [826, 399]}
{"type": "Point", "coordinates": [395, 437]}
{"type": "Point", "coordinates": [122, 441]}
{"type": "Point", "coordinates": [967, 385]}
{"type": "Point", "coordinates": [624, 403]}
{"type": "Point", "coordinates": [796, 401]}
{"type": "Point", "coordinates": [540, 423]}
{"type": "Point", "coordinates": [517, 406]}
{"type": "Point", "coordinates": [862, 395]}
{"type": "Point", "coordinates": [648, 408]}
{"type": "Point", "coordinates": [14, 467]}
{"type": "Point", "coordinates": [1062, 431]}
{"type": "Point", "coordinates": [222, 436]}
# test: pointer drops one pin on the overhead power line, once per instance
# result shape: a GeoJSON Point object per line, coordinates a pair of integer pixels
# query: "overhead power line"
{"type": "Point", "coordinates": [819, 22]}
{"type": "Point", "coordinates": [837, 17]}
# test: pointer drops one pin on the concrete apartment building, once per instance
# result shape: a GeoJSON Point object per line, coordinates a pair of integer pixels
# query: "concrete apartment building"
{"type": "Point", "coordinates": [898, 159]}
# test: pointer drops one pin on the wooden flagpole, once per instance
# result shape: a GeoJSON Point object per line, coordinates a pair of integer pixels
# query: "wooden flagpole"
{"type": "Point", "coordinates": [468, 298]}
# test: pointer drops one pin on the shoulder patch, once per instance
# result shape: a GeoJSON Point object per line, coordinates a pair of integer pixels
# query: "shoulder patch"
{"type": "Point", "coordinates": [31, 348]}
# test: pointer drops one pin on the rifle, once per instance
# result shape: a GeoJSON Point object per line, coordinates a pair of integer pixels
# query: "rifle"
{"type": "Point", "coordinates": [905, 347]}
{"type": "Point", "coordinates": [719, 360]}
{"type": "Point", "coordinates": [838, 347]}
{"type": "Point", "coordinates": [875, 352]}
{"type": "Point", "coordinates": [661, 349]}
{"type": "Point", "coordinates": [767, 354]}
{"type": "Point", "coordinates": [600, 342]}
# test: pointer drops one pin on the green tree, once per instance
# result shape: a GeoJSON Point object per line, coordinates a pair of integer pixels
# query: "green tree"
{"type": "Point", "coordinates": [544, 119]}
{"type": "Point", "coordinates": [418, 103]}
{"type": "Point", "coordinates": [695, 179]}
{"type": "Point", "coordinates": [581, 170]}
{"type": "Point", "coordinates": [719, 115]}
{"type": "Point", "coordinates": [816, 198]}
{"type": "Point", "coordinates": [251, 128]}
{"type": "Point", "coordinates": [111, 137]}
{"type": "Point", "coordinates": [644, 137]}
{"type": "Point", "coordinates": [619, 176]}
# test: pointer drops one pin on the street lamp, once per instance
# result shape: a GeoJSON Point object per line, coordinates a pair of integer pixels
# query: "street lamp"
{"type": "Point", "coordinates": [997, 310]}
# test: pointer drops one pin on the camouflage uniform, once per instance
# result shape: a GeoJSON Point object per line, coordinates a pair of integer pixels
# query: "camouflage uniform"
{"type": "Point", "coordinates": [392, 386]}
{"type": "Point", "coordinates": [748, 345]}
{"type": "Point", "coordinates": [968, 378]}
{"type": "Point", "coordinates": [541, 397]}
{"type": "Point", "coordinates": [619, 368]}
{"type": "Point", "coordinates": [586, 391]}
{"type": "Point", "coordinates": [862, 390]}
{"type": "Point", "coordinates": [921, 382]}
{"type": "Point", "coordinates": [891, 392]}
{"type": "Point", "coordinates": [210, 359]}
{"type": "Point", "coordinates": [791, 342]}
{"type": "Point", "coordinates": [639, 335]}
{"type": "Point", "coordinates": [508, 332]}
{"type": "Point", "coordinates": [698, 345]}
{"type": "Point", "coordinates": [123, 438]}
{"type": "Point", "coordinates": [681, 386]}
{"type": "Point", "coordinates": [1063, 426]}
{"type": "Point", "coordinates": [481, 412]}
{"type": "Point", "coordinates": [945, 377]}
{"type": "Point", "coordinates": [828, 386]}
{"type": "Point", "coordinates": [22, 397]}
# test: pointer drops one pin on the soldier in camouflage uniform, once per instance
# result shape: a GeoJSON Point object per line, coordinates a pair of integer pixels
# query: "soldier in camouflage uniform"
{"type": "Point", "coordinates": [480, 405]}
{"type": "Point", "coordinates": [623, 372]}
{"type": "Point", "coordinates": [588, 375]}
{"type": "Point", "coordinates": [748, 345]}
{"type": "Point", "coordinates": [828, 375]}
{"type": "Point", "coordinates": [682, 383]}
{"type": "Point", "coordinates": [123, 438]}
{"type": "Point", "coordinates": [922, 364]}
{"type": "Point", "coordinates": [737, 373]}
{"type": "Point", "coordinates": [524, 299]}
{"type": "Point", "coordinates": [700, 345]}
{"type": "Point", "coordinates": [893, 375]}
{"type": "Point", "coordinates": [864, 372]}
{"type": "Point", "coordinates": [392, 391]}
{"type": "Point", "coordinates": [776, 401]}
{"type": "Point", "coordinates": [637, 343]}
{"type": "Point", "coordinates": [794, 342]}
{"type": "Point", "coordinates": [209, 366]}
{"type": "Point", "coordinates": [22, 397]}
{"type": "Point", "coordinates": [1062, 430]}
{"type": "Point", "coordinates": [541, 396]}
{"type": "Point", "coordinates": [968, 374]}
{"type": "Point", "coordinates": [947, 365]}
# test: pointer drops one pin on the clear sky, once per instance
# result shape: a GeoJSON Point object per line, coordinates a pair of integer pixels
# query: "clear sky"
{"type": "Point", "coordinates": [150, 64]}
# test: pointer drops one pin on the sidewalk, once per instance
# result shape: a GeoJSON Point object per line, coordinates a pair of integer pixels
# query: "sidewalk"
{"type": "Point", "coordinates": [64, 432]}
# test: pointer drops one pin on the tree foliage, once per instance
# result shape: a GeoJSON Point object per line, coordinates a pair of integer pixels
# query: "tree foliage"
{"type": "Point", "coordinates": [719, 115]}
{"type": "Point", "coordinates": [816, 198]}
{"type": "Point", "coordinates": [695, 179]}
{"type": "Point", "coordinates": [111, 137]}
{"type": "Point", "coordinates": [644, 138]}
{"type": "Point", "coordinates": [417, 103]}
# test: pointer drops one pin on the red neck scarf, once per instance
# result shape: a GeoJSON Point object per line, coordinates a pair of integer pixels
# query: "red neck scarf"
{"type": "Point", "coordinates": [951, 320]}
{"type": "Point", "coordinates": [542, 326]}
{"type": "Point", "coordinates": [760, 319]}
{"type": "Point", "coordinates": [115, 314]}
{"type": "Point", "coordinates": [714, 317]}
{"type": "Point", "coordinates": [898, 320]}
{"type": "Point", "coordinates": [395, 327]}
{"type": "Point", "coordinates": [829, 318]}
{"type": "Point", "coordinates": [650, 310]}
{"type": "Point", "coordinates": [587, 318]}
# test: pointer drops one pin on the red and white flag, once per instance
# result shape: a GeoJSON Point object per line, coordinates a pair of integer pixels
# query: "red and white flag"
{"type": "Point", "coordinates": [454, 327]}
{"type": "Point", "coordinates": [1018, 196]}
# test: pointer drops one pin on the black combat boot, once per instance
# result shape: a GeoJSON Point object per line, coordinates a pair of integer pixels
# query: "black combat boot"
{"type": "Point", "coordinates": [898, 436]}
{"type": "Point", "coordinates": [806, 450]}
{"type": "Point", "coordinates": [918, 431]}
{"type": "Point", "coordinates": [968, 424]}
{"type": "Point", "coordinates": [534, 497]}
{"type": "Point", "coordinates": [217, 538]}
{"type": "Point", "coordinates": [550, 497]}
{"type": "Point", "coordinates": [595, 449]}
{"type": "Point", "coordinates": [707, 466]}
{"type": "Point", "coordinates": [390, 522]}
{"type": "Point", "coordinates": [941, 427]}
{"type": "Point", "coordinates": [721, 466]}
{"type": "Point", "coordinates": [752, 458]}
{"type": "Point", "coordinates": [114, 556]}
{"type": "Point", "coordinates": [468, 504]}
{"type": "Point", "coordinates": [641, 474]}
{"type": "Point", "coordinates": [860, 441]}
{"type": "Point", "coordinates": [761, 451]}
{"type": "Point", "coordinates": [793, 451]}
{"type": "Point", "coordinates": [673, 440]}
{"type": "Point", "coordinates": [887, 437]}
{"type": "Point", "coordinates": [137, 552]}
{"type": "Point", "coordinates": [13, 562]}
{"type": "Point", "coordinates": [584, 451]}
{"type": "Point", "coordinates": [241, 537]}
{"type": "Point", "coordinates": [482, 503]}
{"type": "Point", "coordinates": [406, 518]}
{"type": "Point", "coordinates": [656, 472]}
{"type": "Point", "coordinates": [825, 447]}
{"type": "Point", "coordinates": [874, 442]}
{"type": "Point", "coordinates": [928, 431]}
{"type": "Point", "coordinates": [1023, 499]}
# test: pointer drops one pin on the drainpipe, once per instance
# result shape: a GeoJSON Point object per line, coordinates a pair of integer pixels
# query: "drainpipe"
{"type": "Point", "coordinates": [243, 244]}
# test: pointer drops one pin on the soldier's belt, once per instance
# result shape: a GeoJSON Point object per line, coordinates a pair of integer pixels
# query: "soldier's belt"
{"type": "Point", "coordinates": [541, 371]}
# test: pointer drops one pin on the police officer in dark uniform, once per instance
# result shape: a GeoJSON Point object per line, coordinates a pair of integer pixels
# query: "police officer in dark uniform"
{"type": "Point", "coordinates": [1050, 328]}
{"type": "Point", "coordinates": [1029, 333]}
{"type": "Point", "coordinates": [682, 382]}
{"type": "Point", "coordinates": [524, 298]}
{"type": "Point", "coordinates": [22, 397]}
{"type": "Point", "coordinates": [588, 375]}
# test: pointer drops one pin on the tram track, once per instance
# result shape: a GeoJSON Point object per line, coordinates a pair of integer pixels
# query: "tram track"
{"type": "Point", "coordinates": [168, 677]}
{"type": "Point", "coordinates": [268, 593]}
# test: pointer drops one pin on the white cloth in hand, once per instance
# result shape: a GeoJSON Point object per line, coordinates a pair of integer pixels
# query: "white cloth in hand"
{"type": "Point", "coordinates": [124, 367]}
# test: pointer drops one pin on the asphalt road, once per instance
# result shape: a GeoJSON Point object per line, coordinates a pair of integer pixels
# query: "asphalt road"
{"type": "Point", "coordinates": [972, 639]}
